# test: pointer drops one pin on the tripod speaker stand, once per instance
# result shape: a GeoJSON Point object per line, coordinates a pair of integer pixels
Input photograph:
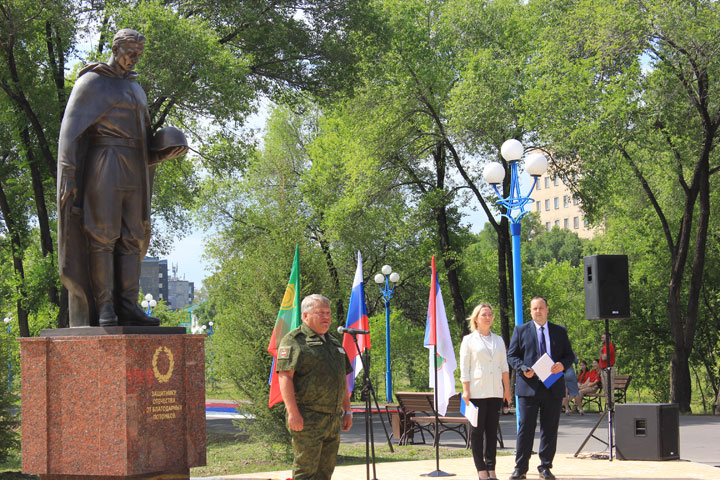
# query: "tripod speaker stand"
{"type": "Point", "coordinates": [609, 403]}
{"type": "Point", "coordinates": [607, 295]}
{"type": "Point", "coordinates": [368, 393]}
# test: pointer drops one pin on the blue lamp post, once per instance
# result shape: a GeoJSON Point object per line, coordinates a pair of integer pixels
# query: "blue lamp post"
{"type": "Point", "coordinates": [7, 321]}
{"type": "Point", "coordinates": [210, 332]}
{"type": "Point", "coordinates": [149, 303]}
{"type": "Point", "coordinates": [389, 278]}
{"type": "Point", "coordinates": [494, 173]}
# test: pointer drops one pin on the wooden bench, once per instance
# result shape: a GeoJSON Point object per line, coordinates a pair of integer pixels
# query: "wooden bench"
{"type": "Point", "coordinates": [417, 415]}
{"type": "Point", "coordinates": [409, 405]}
{"type": "Point", "coordinates": [620, 386]}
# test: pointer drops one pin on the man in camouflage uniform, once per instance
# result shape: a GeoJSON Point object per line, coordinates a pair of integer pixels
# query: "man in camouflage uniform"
{"type": "Point", "coordinates": [312, 368]}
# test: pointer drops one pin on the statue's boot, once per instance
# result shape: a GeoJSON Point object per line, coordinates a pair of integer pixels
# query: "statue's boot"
{"type": "Point", "coordinates": [127, 281]}
{"type": "Point", "coordinates": [101, 278]}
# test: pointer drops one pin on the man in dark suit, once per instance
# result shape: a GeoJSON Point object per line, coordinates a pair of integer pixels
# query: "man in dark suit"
{"type": "Point", "coordinates": [529, 342]}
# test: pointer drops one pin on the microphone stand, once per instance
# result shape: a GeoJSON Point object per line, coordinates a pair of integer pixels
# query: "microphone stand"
{"type": "Point", "coordinates": [368, 393]}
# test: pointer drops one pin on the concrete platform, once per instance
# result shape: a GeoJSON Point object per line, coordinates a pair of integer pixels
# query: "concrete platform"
{"type": "Point", "coordinates": [566, 467]}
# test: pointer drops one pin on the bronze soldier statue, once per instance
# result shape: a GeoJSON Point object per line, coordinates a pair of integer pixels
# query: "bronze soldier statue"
{"type": "Point", "coordinates": [106, 160]}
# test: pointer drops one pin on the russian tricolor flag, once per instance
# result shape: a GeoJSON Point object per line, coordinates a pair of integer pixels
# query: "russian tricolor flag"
{"type": "Point", "coordinates": [356, 318]}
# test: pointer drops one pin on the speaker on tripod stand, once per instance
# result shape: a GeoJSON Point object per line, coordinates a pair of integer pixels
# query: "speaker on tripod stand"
{"type": "Point", "coordinates": [607, 289]}
{"type": "Point", "coordinates": [607, 296]}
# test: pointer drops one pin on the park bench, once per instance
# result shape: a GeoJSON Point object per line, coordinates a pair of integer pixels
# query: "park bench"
{"type": "Point", "coordinates": [416, 414]}
{"type": "Point", "coordinates": [620, 386]}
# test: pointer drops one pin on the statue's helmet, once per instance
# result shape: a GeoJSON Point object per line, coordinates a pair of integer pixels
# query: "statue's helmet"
{"type": "Point", "coordinates": [167, 137]}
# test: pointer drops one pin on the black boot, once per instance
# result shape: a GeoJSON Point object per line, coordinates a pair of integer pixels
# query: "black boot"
{"type": "Point", "coordinates": [101, 279]}
{"type": "Point", "coordinates": [127, 282]}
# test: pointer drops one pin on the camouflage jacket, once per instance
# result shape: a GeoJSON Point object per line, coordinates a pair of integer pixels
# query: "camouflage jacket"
{"type": "Point", "coordinates": [320, 368]}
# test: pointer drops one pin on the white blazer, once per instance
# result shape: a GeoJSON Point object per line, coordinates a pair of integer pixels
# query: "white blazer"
{"type": "Point", "coordinates": [483, 366]}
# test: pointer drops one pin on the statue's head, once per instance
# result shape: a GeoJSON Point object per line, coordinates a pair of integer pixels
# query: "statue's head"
{"type": "Point", "coordinates": [127, 48]}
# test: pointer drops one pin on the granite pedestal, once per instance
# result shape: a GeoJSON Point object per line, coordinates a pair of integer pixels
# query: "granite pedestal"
{"type": "Point", "coordinates": [113, 404]}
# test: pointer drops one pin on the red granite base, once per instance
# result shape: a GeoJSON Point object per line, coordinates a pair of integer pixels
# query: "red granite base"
{"type": "Point", "coordinates": [113, 405]}
{"type": "Point", "coordinates": [149, 476]}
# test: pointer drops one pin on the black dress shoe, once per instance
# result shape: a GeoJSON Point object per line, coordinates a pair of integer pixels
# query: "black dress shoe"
{"type": "Point", "coordinates": [546, 473]}
{"type": "Point", "coordinates": [518, 475]}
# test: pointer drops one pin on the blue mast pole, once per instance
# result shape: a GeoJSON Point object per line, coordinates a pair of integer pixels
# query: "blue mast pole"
{"type": "Point", "coordinates": [515, 201]}
{"type": "Point", "coordinates": [388, 367]}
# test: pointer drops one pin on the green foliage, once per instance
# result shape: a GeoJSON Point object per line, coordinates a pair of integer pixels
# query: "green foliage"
{"type": "Point", "coordinates": [409, 358]}
{"type": "Point", "coordinates": [8, 418]}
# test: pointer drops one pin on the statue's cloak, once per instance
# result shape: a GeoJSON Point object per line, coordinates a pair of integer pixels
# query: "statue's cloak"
{"type": "Point", "coordinates": [96, 91]}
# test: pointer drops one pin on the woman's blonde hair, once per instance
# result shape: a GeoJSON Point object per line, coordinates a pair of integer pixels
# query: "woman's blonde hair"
{"type": "Point", "coordinates": [476, 313]}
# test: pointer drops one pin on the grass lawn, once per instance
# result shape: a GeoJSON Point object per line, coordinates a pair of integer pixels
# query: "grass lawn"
{"type": "Point", "coordinates": [227, 456]}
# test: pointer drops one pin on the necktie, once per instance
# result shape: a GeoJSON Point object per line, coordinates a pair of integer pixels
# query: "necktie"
{"type": "Point", "coordinates": [543, 347]}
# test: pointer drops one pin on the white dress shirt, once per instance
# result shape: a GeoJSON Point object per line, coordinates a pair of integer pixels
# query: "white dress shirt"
{"type": "Point", "coordinates": [482, 363]}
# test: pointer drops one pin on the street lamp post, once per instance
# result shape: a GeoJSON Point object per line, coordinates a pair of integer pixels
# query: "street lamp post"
{"type": "Point", "coordinates": [7, 321]}
{"type": "Point", "coordinates": [210, 332]}
{"type": "Point", "coordinates": [494, 173]}
{"type": "Point", "coordinates": [149, 303]}
{"type": "Point", "coordinates": [390, 279]}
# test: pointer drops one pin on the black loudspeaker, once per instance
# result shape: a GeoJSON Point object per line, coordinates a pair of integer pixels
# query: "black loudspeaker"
{"type": "Point", "coordinates": [647, 431]}
{"type": "Point", "coordinates": [607, 289]}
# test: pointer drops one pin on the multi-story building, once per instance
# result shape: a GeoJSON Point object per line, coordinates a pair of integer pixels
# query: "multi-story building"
{"type": "Point", "coordinates": [154, 278]}
{"type": "Point", "coordinates": [180, 293]}
{"type": "Point", "coordinates": [557, 207]}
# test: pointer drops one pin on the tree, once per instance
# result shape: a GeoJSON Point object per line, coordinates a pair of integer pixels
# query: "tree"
{"type": "Point", "coordinates": [625, 93]}
{"type": "Point", "coordinates": [400, 107]}
{"type": "Point", "coordinates": [493, 41]}
{"type": "Point", "coordinates": [204, 66]}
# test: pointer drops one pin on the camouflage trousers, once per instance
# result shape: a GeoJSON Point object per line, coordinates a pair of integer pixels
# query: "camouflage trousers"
{"type": "Point", "coordinates": [316, 446]}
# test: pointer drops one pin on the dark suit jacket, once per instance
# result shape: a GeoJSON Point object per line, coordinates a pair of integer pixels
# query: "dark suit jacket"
{"type": "Point", "coordinates": [524, 351]}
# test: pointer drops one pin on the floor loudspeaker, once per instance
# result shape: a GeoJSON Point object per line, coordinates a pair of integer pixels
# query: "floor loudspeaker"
{"type": "Point", "coordinates": [647, 431]}
{"type": "Point", "coordinates": [607, 289]}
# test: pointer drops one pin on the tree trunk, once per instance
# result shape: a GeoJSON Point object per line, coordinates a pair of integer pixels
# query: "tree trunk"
{"type": "Point", "coordinates": [448, 256]}
{"type": "Point", "coordinates": [680, 380]}
{"type": "Point", "coordinates": [339, 304]}
{"type": "Point", "coordinates": [46, 242]}
{"type": "Point", "coordinates": [17, 95]}
{"type": "Point", "coordinates": [448, 253]}
{"type": "Point", "coordinates": [503, 248]}
{"type": "Point", "coordinates": [16, 247]}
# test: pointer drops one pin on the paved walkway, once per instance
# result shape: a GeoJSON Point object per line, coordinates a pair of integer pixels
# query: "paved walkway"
{"type": "Point", "coordinates": [699, 452]}
{"type": "Point", "coordinates": [565, 467]}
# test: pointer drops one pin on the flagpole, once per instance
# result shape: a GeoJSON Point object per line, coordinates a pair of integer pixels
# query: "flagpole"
{"type": "Point", "coordinates": [437, 472]}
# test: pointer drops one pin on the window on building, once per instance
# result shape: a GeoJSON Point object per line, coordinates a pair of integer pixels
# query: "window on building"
{"type": "Point", "coordinates": [547, 226]}
{"type": "Point", "coordinates": [160, 285]}
{"type": "Point", "coordinates": [557, 223]}
{"type": "Point", "coordinates": [160, 275]}
{"type": "Point", "coordinates": [547, 182]}
{"type": "Point", "coordinates": [556, 181]}
{"type": "Point", "coordinates": [576, 222]}
{"type": "Point", "coordinates": [566, 201]}
{"type": "Point", "coordinates": [576, 201]}
{"type": "Point", "coordinates": [547, 204]}
{"type": "Point", "coordinates": [566, 223]}
{"type": "Point", "coordinates": [537, 184]}
{"type": "Point", "coordinates": [161, 296]}
{"type": "Point", "coordinates": [556, 202]}
{"type": "Point", "coordinates": [538, 206]}
{"type": "Point", "coordinates": [585, 224]}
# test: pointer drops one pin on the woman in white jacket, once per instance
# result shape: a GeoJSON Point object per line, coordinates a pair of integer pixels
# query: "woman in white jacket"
{"type": "Point", "coordinates": [485, 378]}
